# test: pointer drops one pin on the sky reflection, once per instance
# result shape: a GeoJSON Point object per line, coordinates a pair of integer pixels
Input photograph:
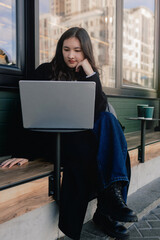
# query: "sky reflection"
{"type": "Point", "coordinates": [8, 28]}
{"type": "Point", "coordinates": [137, 3]}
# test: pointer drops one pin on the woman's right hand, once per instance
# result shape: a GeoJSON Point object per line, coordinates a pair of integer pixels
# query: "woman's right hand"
{"type": "Point", "coordinates": [13, 161]}
{"type": "Point", "coordinates": [86, 67]}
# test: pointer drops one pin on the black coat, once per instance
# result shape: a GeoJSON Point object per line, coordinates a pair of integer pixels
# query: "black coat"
{"type": "Point", "coordinates": [79, 150]}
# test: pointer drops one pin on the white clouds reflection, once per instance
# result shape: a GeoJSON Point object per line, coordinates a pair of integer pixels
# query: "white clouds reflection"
{"type": "Point", "coordinates": [8, 2]}
{"type": "Point", "coordinates": [137, 3]}
{"type": "Point", "coordinates": [6, 28]}
{"type": "Point", "coordinates": [43, 6]}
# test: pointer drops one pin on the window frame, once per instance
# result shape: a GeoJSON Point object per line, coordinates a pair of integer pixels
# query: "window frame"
{"type": "Point", "coordinates": [25, 35]}
{"type": "Point", "coordinates": [8, 72]}
{"type": "Point", "coordinates": [120, 89]}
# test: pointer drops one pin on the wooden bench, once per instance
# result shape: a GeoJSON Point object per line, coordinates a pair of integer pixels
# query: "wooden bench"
{"type": "Point", "coordinates": [16, 200]}
{"type": "Point", "coordinates": [20, 199]}
{"type": "Point", "coordinates": [152, 148]}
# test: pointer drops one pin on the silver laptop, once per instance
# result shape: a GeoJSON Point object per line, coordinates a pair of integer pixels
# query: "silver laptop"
{"type": "Point", "coordinates": [57, 104]}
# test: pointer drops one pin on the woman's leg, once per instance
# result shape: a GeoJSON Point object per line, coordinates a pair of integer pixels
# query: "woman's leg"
{"type": "Point", "coordinates": [79, 180]}
{"type": "Point", "coordinates": [112, 168]}
{"type": "Point", "coordinates": [109, 226]}
{"type": "Point", "coordinates": [112, 150]}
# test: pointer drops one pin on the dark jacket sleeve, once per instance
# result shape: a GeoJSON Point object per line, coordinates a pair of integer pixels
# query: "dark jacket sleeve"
{"type": "Point", "coordinates": [43, 72]}
{"type": "Point", "coordinates": [101, 98]}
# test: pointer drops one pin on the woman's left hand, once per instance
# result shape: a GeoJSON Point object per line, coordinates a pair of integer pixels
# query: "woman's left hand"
{"type": "Point", "coordinates": [13, 161]}
{"type": "Point", "coordinates": [86, 67]}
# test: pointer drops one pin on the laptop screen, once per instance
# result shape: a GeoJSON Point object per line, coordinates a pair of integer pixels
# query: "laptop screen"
{"type": "Point", "coordinates": [57, 104]}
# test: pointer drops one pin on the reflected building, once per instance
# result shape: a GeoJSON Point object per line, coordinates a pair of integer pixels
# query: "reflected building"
{"type": "Point", "coordinates": [96, 16]}
{"type": "Point", "coordinates": [48, 35]}
{"type": "Point", "coordinates": [138, 47]}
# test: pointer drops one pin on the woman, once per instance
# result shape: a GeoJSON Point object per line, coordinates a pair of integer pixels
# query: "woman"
{"type": "Point", "coordinates": [95, 162]}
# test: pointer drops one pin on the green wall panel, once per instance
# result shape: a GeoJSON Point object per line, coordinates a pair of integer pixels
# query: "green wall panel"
{"type": "Point", "coordinates": [9, 120]}
{"type": "Point", "coordinates": [127, 107]}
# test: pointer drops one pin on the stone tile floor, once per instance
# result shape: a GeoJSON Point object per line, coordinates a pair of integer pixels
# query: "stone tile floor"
{"type": "Point", "coordinates": [148, 227]}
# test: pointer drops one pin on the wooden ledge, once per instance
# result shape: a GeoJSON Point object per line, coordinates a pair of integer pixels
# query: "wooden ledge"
{"type": "Point", "coordinates": [134, 138]}
{"type": "Point", "coordinates": [26, 171]}
{"type": "Point", "coordinates": [21, 199]}
{"type": "Point", "coordinates": [151, 151]}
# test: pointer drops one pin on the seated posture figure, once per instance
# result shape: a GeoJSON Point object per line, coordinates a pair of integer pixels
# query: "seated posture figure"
{"type": "Point", "coordinates": [96, 163]}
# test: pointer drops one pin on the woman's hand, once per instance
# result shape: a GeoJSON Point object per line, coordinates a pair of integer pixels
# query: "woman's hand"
{"type": "Point", "coordinates": [13, 161]}
{"type": "Point", "coordinates": [86, 67]}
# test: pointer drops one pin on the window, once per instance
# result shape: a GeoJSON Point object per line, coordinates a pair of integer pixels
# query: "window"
{"type": "Point", "coordinates": [16, 32]}
{"type": "Point", "coordinates": [125, 40]}
{"type": "Point", "coordinates": [8, 32]}
{"type": "Point", "coordinates": [98, 18]}
{"type": "Point", "coordinates": [139, 28]}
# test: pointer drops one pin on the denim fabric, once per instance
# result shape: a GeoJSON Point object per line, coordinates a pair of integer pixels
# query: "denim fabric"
{"type": "Point", "coordinates": [112, 150]}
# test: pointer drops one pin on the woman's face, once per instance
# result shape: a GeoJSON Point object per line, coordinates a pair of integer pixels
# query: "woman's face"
{"type": "Point", "coordinates": [72, 52]}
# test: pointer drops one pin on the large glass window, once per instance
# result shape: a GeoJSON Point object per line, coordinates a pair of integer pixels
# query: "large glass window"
{"type": "Point", "coordinates": [138, 43]}
{"type": "Point", "coordinates": [8, 32]}
{"type": "Point", "coordinates": [97, 17]}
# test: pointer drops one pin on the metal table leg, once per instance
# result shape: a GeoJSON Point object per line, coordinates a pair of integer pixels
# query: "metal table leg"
{"type": "Point", "coordinates": [57, 169]}
{"type": "Point", "coordinates": [141, 153]}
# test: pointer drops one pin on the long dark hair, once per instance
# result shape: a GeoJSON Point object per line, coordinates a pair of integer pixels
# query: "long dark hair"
{"type": "Point", "coordinates": [60, 70]}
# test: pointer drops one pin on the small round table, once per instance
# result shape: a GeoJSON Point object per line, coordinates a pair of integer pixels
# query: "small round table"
{"type": "Point", "coordinates": [141, 152]}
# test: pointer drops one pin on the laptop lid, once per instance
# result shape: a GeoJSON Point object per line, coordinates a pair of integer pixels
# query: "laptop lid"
{"type": "Point", "coordinates": [57, 104]}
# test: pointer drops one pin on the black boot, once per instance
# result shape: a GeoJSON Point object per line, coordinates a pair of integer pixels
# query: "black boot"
{"type": "Point", "coordinates": [110, 227]}
{"type": "Point", "coordinates": [111, 203]}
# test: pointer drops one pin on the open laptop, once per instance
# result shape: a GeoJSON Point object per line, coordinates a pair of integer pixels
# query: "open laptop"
{"type": "Point", "coordinates": [57, 104]}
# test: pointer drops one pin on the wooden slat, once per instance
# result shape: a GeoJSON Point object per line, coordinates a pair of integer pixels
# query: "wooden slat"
{"type": "Point", "coordinates": [18, 173]}
{"type": "Point", "coordinates": [23, 198]}
{"type": "Point", "coordinates": [151, 151]}
{"type": "Point", "coordinates": [133, 139]}
{"type": "Point", "coordinates": [134, 157]}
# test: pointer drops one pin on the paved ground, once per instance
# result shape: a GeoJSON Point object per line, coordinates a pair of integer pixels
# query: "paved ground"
{"type": "Point", "coordinates": [148, 227]}
{"type": "Point", "coordinates": [146, 203]}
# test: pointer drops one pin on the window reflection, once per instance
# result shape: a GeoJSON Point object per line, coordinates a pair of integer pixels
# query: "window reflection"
{"type": "Point", "coordinates": [138, 43]}
{"type": "Point", "coordinates": [8, 32]}
{"type": "Point", "coordinates": [97, 17]}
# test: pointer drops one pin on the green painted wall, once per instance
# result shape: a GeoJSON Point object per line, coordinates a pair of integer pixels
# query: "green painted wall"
{"type": "Point", "coordinates": [127, 107]}
{"type": "Point", "coordinates": [10, 117]}
{"type": "Point", "coordinates": [9, 120]}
